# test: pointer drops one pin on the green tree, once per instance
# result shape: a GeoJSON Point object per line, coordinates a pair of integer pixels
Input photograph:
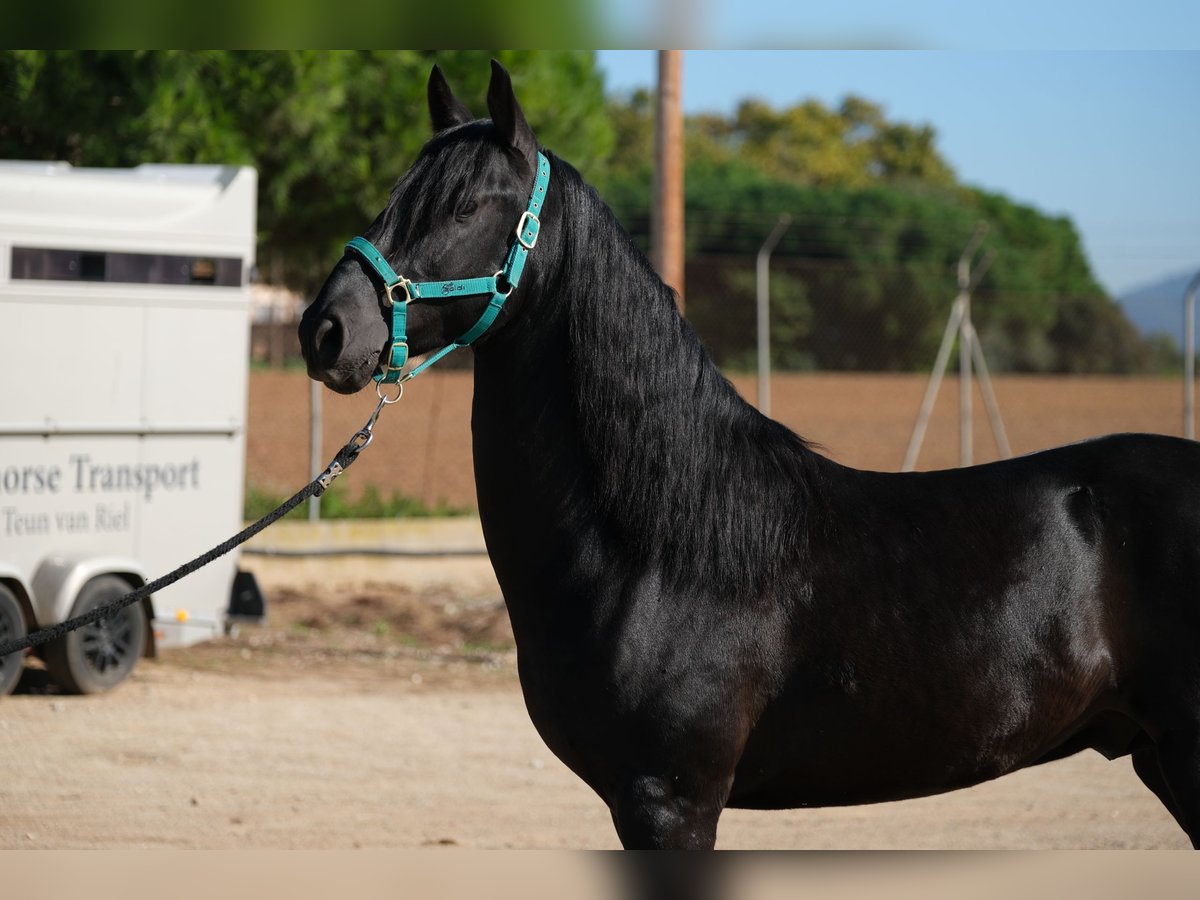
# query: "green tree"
{"type": "Point", "coordinates": [865, 275]}
{"type": "Point", "coordinates": [805, 144]}
{"type": "Point", "coordinates": [1093, 335]}
{"type": "Point", "coordinates": [329, 132]}
{"type": "Point", "coordinates": [632, 121]}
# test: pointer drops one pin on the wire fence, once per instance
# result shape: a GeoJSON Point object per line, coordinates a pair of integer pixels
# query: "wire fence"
{"type": "Point", "coordinates": [843, 316]}
{"type": "Point", "coordinates": [852, 347]}
{"type": "Point", "coordinates": [825, 316]}
{"type": "Point", "coordinates": [836, 315]}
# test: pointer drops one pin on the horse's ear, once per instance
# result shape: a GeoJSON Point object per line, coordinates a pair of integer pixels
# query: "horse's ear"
{"type": "Point", "coordinates": [507, 116]}
{"type": "Point", "coordinates": [445, 110]}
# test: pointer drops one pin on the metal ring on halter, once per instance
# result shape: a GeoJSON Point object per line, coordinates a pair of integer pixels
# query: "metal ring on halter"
{"type": "Point", "coordinates": [383, 398]}
{"type": "Point", "coordinates": [511, 287]}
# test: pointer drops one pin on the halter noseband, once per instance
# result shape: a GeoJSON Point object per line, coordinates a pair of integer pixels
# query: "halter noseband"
{"type": "Point", "coordinates": [500, 286]}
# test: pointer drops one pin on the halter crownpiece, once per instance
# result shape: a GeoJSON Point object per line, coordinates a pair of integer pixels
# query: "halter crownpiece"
{"type": "Point", "coordinates": [500, 285]}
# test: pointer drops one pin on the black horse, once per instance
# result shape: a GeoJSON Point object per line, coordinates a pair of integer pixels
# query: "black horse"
{"type": "Point", "coordinates": [707, 612]}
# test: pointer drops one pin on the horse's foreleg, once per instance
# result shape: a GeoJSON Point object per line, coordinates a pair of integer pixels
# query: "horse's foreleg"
{"type": "Point", "coordinates": [654, 813]}
{"type": "Point", "coordinates": [1179, 758]}
{"type": "Point", "coordinates": [1145, 764]}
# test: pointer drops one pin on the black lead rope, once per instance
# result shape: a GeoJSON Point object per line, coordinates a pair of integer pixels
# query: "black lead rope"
{"type": "Point", "coordinates": [347, 455]}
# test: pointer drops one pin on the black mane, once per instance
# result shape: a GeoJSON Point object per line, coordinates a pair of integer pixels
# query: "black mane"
{"type": "Point", "coordinates": [692, 476]}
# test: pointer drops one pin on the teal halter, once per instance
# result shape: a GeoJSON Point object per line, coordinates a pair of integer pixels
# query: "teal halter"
{"type": "Point", "coordinates": [500, 286]}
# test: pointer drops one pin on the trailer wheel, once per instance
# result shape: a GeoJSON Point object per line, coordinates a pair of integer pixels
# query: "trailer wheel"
{"type": "Point", "coordinates": [98, 657]}
{"type": "Point", "coordinates": [12, 627]}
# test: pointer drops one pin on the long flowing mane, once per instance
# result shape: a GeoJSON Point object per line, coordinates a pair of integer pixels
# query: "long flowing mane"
{"type": "Point", "coordinates": [685, 469]}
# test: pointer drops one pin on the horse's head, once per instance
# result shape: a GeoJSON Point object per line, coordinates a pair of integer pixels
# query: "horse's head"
{"type": "Point", "coordinates": [451, 216]}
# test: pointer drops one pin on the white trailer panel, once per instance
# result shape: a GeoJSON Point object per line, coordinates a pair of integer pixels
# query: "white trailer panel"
{"type": "Point", "coordinates": [124, 332]}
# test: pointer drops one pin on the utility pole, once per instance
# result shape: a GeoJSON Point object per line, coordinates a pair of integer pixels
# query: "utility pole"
{"type": "Point", "coordinates": [666, 216]}
{"type": "Point", "coordinates": [1189, 358]}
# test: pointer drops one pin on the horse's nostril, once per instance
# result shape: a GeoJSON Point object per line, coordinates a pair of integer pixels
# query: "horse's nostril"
{"type": "Point", "coordinates": [327, 342]}
{"type": "Point", "coordinates": [322, 329]}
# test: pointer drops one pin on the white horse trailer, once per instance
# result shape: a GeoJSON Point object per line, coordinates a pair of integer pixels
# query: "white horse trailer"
{"type": "Point", "coordinates": [124, 318]}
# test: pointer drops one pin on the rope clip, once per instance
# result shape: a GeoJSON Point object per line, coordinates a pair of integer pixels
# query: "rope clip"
{"type": "Point", "coordinates": [361, 439]}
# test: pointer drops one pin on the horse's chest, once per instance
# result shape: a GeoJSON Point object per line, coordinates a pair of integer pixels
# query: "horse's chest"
{"type": "Point", "coordinates": [570, 712]}
{"type": "Point", "coordinates": [624, 698]}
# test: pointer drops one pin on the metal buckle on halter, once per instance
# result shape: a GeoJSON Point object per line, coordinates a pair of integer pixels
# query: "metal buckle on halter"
{"type": "Point", "coordinates": [536, 229]}
{"type": "Point", "coordinates": [402, 283]}
{"type": "Point", "coordinates": [388, 367]}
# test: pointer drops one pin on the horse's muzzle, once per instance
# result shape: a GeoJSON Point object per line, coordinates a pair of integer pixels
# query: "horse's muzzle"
{"type": "Point", "coordinates": [324, 347]}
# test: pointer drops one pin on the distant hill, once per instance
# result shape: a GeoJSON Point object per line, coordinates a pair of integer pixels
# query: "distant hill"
{"type": "Point", "coordinates": [1158, 307]}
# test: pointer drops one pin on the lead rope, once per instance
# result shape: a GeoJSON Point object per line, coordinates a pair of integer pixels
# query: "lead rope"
{"type": "Point", "coordinates": [315, 488]}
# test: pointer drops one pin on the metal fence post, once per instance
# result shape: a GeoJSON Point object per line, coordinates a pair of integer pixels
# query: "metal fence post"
{"type": "Point", "coordinates": [966, 337]}
{"type": "Point", "coordinates": [969, 352]}
{"type": "Point", "coordinates": [315, 464]}
{"type": "Point", "coordinates": [763, 291]}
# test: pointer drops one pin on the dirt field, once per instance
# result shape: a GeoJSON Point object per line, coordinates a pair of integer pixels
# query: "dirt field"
{"type": "Point", "coordinates": [423, 447]}
{"type": "Point", "coordinates": [367, 715]}
{"type": "Point", "coordinates": [381, 718]}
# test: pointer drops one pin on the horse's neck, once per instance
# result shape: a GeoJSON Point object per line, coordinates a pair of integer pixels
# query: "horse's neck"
{"type": "Point", "coordinates": [612, 422]}
{"type": "Point", "coordinates": [611, 378]}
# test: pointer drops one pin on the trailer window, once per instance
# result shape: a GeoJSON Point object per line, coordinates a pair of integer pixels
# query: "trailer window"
{"type": "Point", "coordinates": [38, 264]}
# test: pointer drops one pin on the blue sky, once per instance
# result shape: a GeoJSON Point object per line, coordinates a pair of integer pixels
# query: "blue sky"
{"type": "Point", "coordinates": [915, 24]}
{"type": "Point", "coordinates": [1110, 138]}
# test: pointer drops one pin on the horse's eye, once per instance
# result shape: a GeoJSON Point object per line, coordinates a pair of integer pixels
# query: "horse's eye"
{"type": "Point", "coordinates": [465, 210]}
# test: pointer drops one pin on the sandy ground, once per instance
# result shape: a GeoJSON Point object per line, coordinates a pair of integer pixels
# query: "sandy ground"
{"type": "Point", "coordinates": [376, 717]}
{"type": "Point", "coordinates": [373, 716]}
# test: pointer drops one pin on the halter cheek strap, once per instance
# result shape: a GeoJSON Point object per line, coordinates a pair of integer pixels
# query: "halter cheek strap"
{"type": "Point", "coordinates": [399, 291]}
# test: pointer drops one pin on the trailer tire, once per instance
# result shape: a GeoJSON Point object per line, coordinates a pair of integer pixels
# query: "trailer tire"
{"type": "Point", "coordinates": [12, 627]}
{"type": "Point", "coordinates": [98, 657]}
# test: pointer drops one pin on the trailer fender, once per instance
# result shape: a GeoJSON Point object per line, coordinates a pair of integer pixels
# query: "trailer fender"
{"type": "Point", "coordinates": [59, 579]}
{"type": "Point", "coordinates": [11, 578]}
